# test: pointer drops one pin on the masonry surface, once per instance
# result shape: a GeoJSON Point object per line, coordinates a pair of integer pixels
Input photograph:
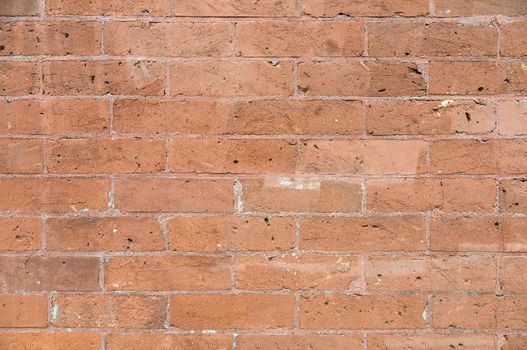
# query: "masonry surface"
{"type": "Point", "coordinates": [263, 174]}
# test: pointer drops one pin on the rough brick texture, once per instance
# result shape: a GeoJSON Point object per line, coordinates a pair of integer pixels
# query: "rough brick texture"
{"type": "Point", "coordinates": [263, 174]}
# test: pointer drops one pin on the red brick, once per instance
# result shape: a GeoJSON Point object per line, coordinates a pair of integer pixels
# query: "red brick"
{"type": "Point", "coordinates": [512, 117]}
{"type": "Point", "coordinates": [477, 77]}
{"type": "Point", "coordinates": [165, 195]}
{"type": "Point", "coordinates": [365, 78]}
{"type": "Point", "coordinates": [110, 7]}
{"type": "Point", "coordinates": [430, 117]}
{"type": "Point", "coordinates": [50, 341]}
{"type": "Point", "coordinates": [21, 273]}
{"type": "Point", "coordinates": [129, 77]}
{"type": "Point", "coordinates": [513, 196]}
{"type": "Point", "coordinates": [233, 8]}
{"type": "Point", "coordinates": [432, 341]}
{"type": "Point", "coordinates": [54, 194]}
{"type": "Point", "coordinates": [231, 233]}
{"type": "Point", "coordinates": [310, 117]}
{"type": "Point", "coordinates": [143, 341]}
{"type": "Point", "coordinates": [106, 156]}
{"type": "Point", "coordinates": [415, 38]}
{"type": "Point", "coordinates": [436, 273]}
{"type": "Point", "coordinates": [363, 234]}
{"type": "Point", "coordinates": [476, 157]}
{"type": "Point", "coordinates": [104, 234]}
{"type": "Point", "coordinates": [301, 195]}
{"type": "Point", "coordinates": [109, 311]}
{"type": "Point", "coordinates": [241, 311]}
{"type": "Point", "coordinates": [167, 39]}
{"type": "Point", "coordinates": [362, 312]}
{"type": "Point", "coordinates": [19, 311]}
{"type": "Point", "coordinates": [424, 194]}
{"type": "Point", "coordinates": [52, 117]}
{"type": "Point", "coordinates": [21, 156]}
{"type": "Point", "coordinates": [513, 42]}
{"type": "Point", "coordinates": [19, 78]}
{"type": "Point", "coordinates": [231, 78]}
{"type": "Point", "coordinates": [50, 38]}
{"type": "Point", "coordinates": [479, 7]}
{"type": "Point", "coordinates": [299, 342]}
{"type": "Point", "coordinates": [514, 342]}
{"type": "Point", "coordinates": [299, 38]}
{"type": "Point", "coordinates": [513, 274]}
{"type": "Point", "coordinates": [296, 272]}
{"type": "Point", "coordinates": [168, 273]}
{"type": "Point", "coordinates": [166, 117]}
{"type": "Point", "coordinates": [375, 8]}
{"type": "Point", "coordinates": [363, 157]}
{"type": "Point", "coordinates": [19, 233]}
{"type": "Point", "coordinates": [19, 8]}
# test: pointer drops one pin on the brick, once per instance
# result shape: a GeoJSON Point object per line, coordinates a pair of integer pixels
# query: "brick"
{"type": "Point", "coordinates": [129, 77]}
{"type": "Point", "coordinates": [479, 312]}
{"type": "Point", "coordinates": [110, 7]}
{"type": "Point", "coordinates": [476, 157]}
{"type": "Point", "coordinates": [512, 116]}
{"type": "Point", "coordinates": [514, 239]}
{"type": "Point", "coordinates": [232, 156]}
{"type": "Point", "coordinates": [54, 194]}
{"type": "Point", "coordinates": [19, 8]}
{"type": "Point", "coordinates": [432, 341]}
{"type": "Point", "coordinates": [477, 77]}
{"type": "Point", "coordinates": [231, 78]}
{"type": "Point", "coordinates": [21, 156]}
{"type": "Point", "coordinates": [241, 311]}
{"type": "Point", "coordinates": [513, 43]}
{"type": "Point", "coordinates": [50, 341]}
{"type": "Point", "coordinates": [19, 311]}
{"type": "Point", "coordinates": [436, 273]}
{"type": "Point", "coordinates": [309, 117]}
{"type": "Point", "coordinates": [363, 157]}
{"type": "Point", "coordinates": [109, 311]}
{"type": "Point", "coordinates": [365, 78]}
{"type": "Point", "coordinates": [234, 8]}
{"type": "Point", "coordinates": [54, 117]}
{"type": "Point", "coordinates": [301, 195]}
{"type": "Point", "coordinates": [375, 8]}
{"type": "Point", "coordinates": [424, 194]}
{"type": "Point", "coordinates": [361, 312]}
{"type": "Point", "coordinates": [513, 342]}
{"type": "Point", "coordinates": [513, 196]}
{"type": "Point", "coordinates": [414, 38]}
{"type": "Point", "coordinates": [19, 234]}
{"type": "Point", "coordinates": [299, 342]}
{"type": "Point", "coordinates": [231, 233]}
{"type": "Point", "coordinates": [19, 78]}
{"type": "Point", "coordinates": [142, 341]}
{"type": "Point", "coordinates": [366, 234]}
{"type": "Point", "coordinates": [448, 8]}
{"type": "Point", "coordinates": [32, 273]}
{"type": "Point", "coordinates": [178, 117]}
{"type": "Point", "coordinates": [296, 272]}
{"type": "Point", "coordinates": [167, 39]}
{"type": "Point", "coordinates": [166, 195]}
{"type": "Point", "coordinates": [50, 38]}
{"type": "Point", "coordinates": [168, 273]}
{"type": "Point", "coordinates": [430, 117]}
{"type": "Point", "coordinates": [106, 156]}
{"type": "Point", "coordinates": [513, 274]}
{"type": "Point", "coordinates": [104, 234]}
{"type": "Point", "coordinates": [299, 38]}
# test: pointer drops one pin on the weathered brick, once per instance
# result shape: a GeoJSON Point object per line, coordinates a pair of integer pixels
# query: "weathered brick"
{"type": "Point", "coordinates": [19, 78]}
{"type": "Point", "coordinates": [513, 342]}
{"type": "Point", "coordinates": [110, 7]}
{"type": "Point", "coordinates": [365, 78]}
{"type": "Point", "coordinates": [168, 273]}
{"type": "Point", "coordinates": [234, 8]}
{"type": "Point", "coordinates": [449, 8]}
{"type": "Point", "coordinates": [167, 39]}
{"type": "Point", "coordinates": [21, 156]}
{"type": "Point", "coordinates": [430, 117]}
{"type": "Point", "coordinates": [513, 42]}
{"type": "Point", "coordinates": [301, 195]}
{"type": "Point", "coordinates": [165, 195]}
{"type": "Point", "coordinates": [103, 234]}
{"type": "Point", "coordinates": [49, 273]}
{"type": "Point", "coordinates": [512, 117]}
{"type": "Point", "coordinates": [242, 311]}
{"type": "Point", "coordinates": [513, 196]}
{"type": "Point", "coordinates": [20, 311]}
{"type": "Point", "coordinates": [231, 233]}
{"type": "Point", "coordinates": [299, 342]}
{"type": "Point", "coordinates": [50, 341]}
{"type": "Point", "coordinates": [19, 8]}
{"type": "Point", "coordinates": [19, 233]}
{"type": "Point", "coordinates": [429, 341]}
{"type": "Point", "coordinates": [513, 274]}
{"type": "Point", "coordinates": [299, 38]}
{"type": "Point", "coordinates": [231, 78]}
{"type": "Point", "coordinates": [142, 341]}
{"type": "Point", "coordinates": [374, 8]}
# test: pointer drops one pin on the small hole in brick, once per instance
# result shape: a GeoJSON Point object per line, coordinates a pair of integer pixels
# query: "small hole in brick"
{"type": "Point", "coordinates": [236, 161]}
{"type": "Point", "coordinates": [467, 115]}
{"type": "Point", "coordinates": [481, 88]}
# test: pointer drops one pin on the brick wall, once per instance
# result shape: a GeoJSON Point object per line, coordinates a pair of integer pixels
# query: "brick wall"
{"type": "Point", "coordinates": [263, 174]}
